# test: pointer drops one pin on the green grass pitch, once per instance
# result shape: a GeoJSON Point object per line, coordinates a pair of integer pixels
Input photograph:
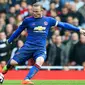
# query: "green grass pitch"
{"type": "Point", "coordinates": [47, 82]}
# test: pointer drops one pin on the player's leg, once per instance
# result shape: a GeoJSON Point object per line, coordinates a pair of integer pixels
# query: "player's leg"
{"type": "Point", "coordinates": [35, 68]}
{"type": "Point", "coordinates": [33, 71]}
{"type": "Point", "coordinates": [20, 57]}
{"type": "Point", "coordinates": [11, 63]}
{"type": "Point", "coordinates": [39, 58]}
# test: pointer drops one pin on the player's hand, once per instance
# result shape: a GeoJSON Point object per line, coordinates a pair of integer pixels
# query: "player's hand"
{"type": "Point", "coordinates": [8, 42]}
{"type": "Point", "coordinates": [82, 31]}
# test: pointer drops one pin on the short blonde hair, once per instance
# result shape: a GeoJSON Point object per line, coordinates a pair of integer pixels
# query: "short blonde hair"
{"type": "Point", "coordinates": [38, 4]}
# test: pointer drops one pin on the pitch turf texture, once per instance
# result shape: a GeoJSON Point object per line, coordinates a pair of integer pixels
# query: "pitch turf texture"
{"type": "Point", "coordinates": [48, 82]}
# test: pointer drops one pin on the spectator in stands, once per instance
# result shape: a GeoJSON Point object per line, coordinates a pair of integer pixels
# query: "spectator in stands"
{"type": "Point", "coordinates": [51, 51]}
{"type": "Point", "coordinates": [76, 14]}
{"type": "Point", "coordinates": [70, 19]}
{"type": "Point", "coordinates": [19, 20]}
{"type": "Point", "coordinates": [56, 33]}
{"type": "Point", "coordinates": [11, 12]}
{"type": "Point", "coordinates": [62, 2]}
{"type": "Point", "coordinates": [60, 52]}
{"type": "Point", "coordinates": [24, 9]}
{"type": "Point", "coordinates": [53, 13]}
{"type": "Point", "coordinates": [45, 4]}
{"type": "Point", "coordinates": [57, 3]}
{"type": "Point", "coordinates": [12, 21]}
{"type": "Point", "coordinates": [66, 37]}
{"type": "Point", "coordinates": [78, 3]}
{"type": "Point", "coordinates": [3, 5]}
{"type": "Point", "coordinates": [64, 14]}
{"type": "Point", "coordinates": [4, 47]}
{"type": "Point", "coordinates": [9, 30]}
{"type": "Point", "coordinates": [3, 15]}
{"type": "Point", "coordinates": [77, 54]}
{"type": "Point", "coordinates": [44, 12]}
{"type": "Point", "coordinates": [52, 8]}
{"type": "Point", "coordinates": [29, 10]}
{"type": "Point", "coordinates": [17, 8]}
{"type": "Point", "coordinates": [69, 46]}
{"type": "Point", "coordinates": [76, 22]}
{"type": "Point", "coordinates": [19, 45]}
{"type": "Point", "coordinates": [56, 52]}
{"type": "Point", "coordinates": [82, 10]}
{"type": "Point", "coordinates": [2, 24]}
{"type": "Point", "coordinates": [67, 5]}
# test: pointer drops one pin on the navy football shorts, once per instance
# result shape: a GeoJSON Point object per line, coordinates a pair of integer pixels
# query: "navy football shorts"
{"type": "Point", "coordinates": [27, 52]}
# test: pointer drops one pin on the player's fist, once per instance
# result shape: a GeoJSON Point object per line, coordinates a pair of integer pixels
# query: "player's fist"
{"type": "Point", "coordinates": [82, 31]}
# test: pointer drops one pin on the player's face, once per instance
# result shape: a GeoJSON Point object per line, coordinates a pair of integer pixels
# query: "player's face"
{"type": "Point", "coordinates": [37, 12]}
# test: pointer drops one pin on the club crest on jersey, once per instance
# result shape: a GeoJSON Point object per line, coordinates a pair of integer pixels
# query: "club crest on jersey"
{"type": "Point", "coordinates": [45, 23]}
{"type": "Point", "coordinates": [39, 29]}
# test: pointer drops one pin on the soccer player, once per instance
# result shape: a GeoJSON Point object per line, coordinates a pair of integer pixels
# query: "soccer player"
{"type": "Point", "coordinates": [37, 27]}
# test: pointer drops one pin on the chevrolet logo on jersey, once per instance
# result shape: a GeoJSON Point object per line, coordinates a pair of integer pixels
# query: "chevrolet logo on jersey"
{"type": "Point", "coordinates": [39, 29]}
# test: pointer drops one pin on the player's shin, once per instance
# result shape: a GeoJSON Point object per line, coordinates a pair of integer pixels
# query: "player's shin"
{"type": "Point", "coordinates": [32, 72]}
{"type": "Point", "coordinates": [7, 67]}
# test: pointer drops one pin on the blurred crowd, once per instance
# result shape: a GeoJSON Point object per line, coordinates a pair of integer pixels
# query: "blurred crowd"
{"type": "Point", "coordinates": [64, 47]}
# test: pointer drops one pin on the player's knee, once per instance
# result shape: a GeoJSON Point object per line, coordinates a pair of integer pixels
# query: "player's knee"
{"type": "Point", "coordinates": [13, 62]}
{"type": "Point", "coordinates": [40, 61]}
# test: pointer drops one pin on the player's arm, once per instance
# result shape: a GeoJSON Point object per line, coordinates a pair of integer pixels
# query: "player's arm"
{"type": "Point", "coordinates": [70, 27]}
{"type": "Point", "coordinates": [66, 26]}
{"type": "Point", "coordinates": [18, 31]}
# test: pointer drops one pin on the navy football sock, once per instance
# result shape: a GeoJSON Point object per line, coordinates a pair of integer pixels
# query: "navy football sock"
{"type": "Point", "coordinates": [9, 66]}
{"type": "Point", "coordinates": [32, 71]}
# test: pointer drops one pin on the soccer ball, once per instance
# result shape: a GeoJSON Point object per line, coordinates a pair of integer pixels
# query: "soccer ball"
{"type": "Point", "coordinates": [1, 78]}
